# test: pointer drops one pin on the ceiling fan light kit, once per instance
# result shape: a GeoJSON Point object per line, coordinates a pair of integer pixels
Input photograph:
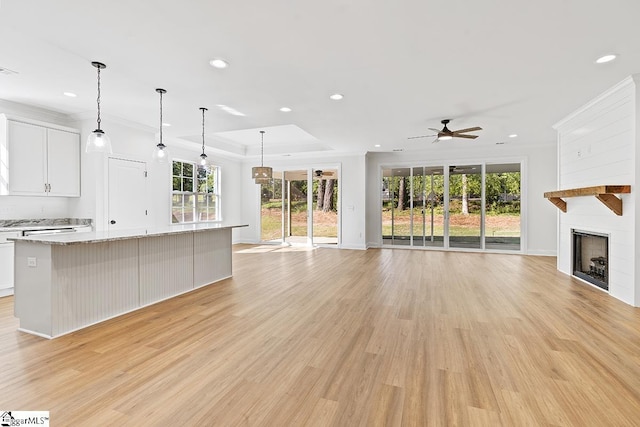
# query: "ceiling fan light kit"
{"type": "Point", "coordinates": [445, 133]}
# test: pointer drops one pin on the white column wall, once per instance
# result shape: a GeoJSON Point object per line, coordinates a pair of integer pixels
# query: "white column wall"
{"type": "Point", "coordinates": [134, 142]}
{"type": "Point", "coordinates": [597, 146]}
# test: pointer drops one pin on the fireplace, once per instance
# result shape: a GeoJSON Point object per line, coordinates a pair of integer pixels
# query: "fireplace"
{"type": "Point", "coordinates": [591, 257]}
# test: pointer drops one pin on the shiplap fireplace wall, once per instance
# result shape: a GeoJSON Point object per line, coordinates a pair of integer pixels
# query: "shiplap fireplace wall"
{"type": "Point", "coordinates": [597, 145]}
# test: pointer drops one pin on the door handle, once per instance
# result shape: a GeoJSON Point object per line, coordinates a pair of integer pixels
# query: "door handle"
{"type": "Point", "coordinates": [112, 222]}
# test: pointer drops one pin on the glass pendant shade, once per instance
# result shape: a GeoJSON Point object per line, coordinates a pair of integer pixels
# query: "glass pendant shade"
{"type": "Point", "coordinates": [98, 142]}
{"type": "Point", "coordinates": [203, 160]}
{"type": "Point", "coordinates": [160, 153]}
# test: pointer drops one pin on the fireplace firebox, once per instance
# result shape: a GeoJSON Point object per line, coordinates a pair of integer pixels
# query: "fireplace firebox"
{"type": "Point", "coordinates": [591, 257]}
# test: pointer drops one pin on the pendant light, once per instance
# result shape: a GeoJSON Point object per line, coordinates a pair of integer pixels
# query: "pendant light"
{"type": "Point", "coordinates": [203, 157]}
{"type": "Point", "coordinates": [262, 174]}
{"type": "Point", "coordinates": [161, 152]}
{"type": "Point", "coordinates": [98, 141]}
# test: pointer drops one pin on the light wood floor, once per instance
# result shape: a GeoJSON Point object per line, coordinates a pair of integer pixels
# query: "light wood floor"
{"type": "Point", "coordinates": [345, 338]}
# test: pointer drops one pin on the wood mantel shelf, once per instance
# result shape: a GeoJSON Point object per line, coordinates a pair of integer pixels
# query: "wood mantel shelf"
{"type": "Point", "coordinates": [604, 193]}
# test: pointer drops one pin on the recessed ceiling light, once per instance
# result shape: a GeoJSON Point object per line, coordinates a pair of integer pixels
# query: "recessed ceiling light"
{"type": "Point", "coordinates": [377, 145]}
{"type": "Point", "coordinates": [69, 94]}
{"type": "Point", "coordinates": [285, 109]}
{"type": "Point", "coordinates": [336, 96]}
{"type": "Point", "coordinates": [230, 110]}
{"type": "Point", "coordinates": [166, 124]}
{"type": "Point", "coordinates": [219, 63]}
{"type": "Point", "coordinates": [513, 135]}
{"type": "Point", "coordinates": [606, 58]}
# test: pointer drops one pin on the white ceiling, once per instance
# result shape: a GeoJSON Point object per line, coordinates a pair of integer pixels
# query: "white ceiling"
{"type": "Point", "coordinates": [507, 66]}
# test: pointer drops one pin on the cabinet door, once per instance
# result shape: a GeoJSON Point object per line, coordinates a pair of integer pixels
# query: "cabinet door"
{"type": "Point", "coordinates": [27, 158]}
{"type": "Point", "coordinates": [63, 166]}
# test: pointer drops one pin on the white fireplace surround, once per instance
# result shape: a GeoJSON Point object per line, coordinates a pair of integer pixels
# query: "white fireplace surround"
{"type": "Point", "coordinates": [597, 146]}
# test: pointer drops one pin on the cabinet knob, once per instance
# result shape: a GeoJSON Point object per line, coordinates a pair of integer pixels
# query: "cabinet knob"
{"type": "Point", "coordinates": [112, 222]}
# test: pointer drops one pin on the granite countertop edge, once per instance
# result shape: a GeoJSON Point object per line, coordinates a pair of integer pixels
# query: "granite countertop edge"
{"type": "Point", "coordinates": [110, 236]}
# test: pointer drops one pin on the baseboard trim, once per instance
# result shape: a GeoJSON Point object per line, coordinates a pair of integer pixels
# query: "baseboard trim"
{"type": "Point", "coordinates": [536, 252]}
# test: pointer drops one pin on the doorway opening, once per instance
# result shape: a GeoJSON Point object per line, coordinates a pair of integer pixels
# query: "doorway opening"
{"type": "Point", "coordinates": [300, 207]}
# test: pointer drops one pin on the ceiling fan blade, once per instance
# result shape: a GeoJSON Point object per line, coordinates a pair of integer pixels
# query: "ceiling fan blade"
{"type": "Point", "coordinates": [467, 130]}
{"type": "Point", "coordinates": [435, 130]}
{"type": "Point", "coordinates": [455, 135]}
{"type": "Point", "coordinates": [421, 136]}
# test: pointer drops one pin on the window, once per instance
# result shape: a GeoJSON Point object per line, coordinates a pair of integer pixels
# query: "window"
{"type": "Point", "coordinates": [195, 193]}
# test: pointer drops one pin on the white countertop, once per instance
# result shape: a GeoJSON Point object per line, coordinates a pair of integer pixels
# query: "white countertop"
{"type": "Point", "coordinates": [106, 236]}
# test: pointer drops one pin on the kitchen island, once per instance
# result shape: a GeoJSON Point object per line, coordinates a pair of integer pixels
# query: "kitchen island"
{"type": "Point", "coordinates": [67, 282]}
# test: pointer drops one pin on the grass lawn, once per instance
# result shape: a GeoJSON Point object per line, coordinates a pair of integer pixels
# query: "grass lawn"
{"type": "Point", "coordinates": [325, 224]}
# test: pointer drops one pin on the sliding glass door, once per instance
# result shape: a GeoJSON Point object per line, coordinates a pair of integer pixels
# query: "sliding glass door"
{"type": "Point", "coordinates": [296, 207]}
{"type": "Point", "coordinates": [502, 199]}
{"type": "Point", "coordinates": [325, 206]}
{"type": "Point", "coordinates": [428, 206]}
{"type": "Point", "coordinates": [300, 207]}
{"type": "Point", "coordinates": [272, 214]}
{"type": "Point", "coordinates": [467, 206]}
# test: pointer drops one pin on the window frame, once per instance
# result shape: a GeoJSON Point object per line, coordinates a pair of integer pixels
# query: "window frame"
{"type": "Point", "coordinates": [212, 197]}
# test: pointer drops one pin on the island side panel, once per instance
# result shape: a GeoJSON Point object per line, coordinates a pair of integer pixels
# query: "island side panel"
{"type": "Point", "coordinates": [33, 287]}
{"type": "Point", "coordinates": [211, 256]}
{"type": "Point", "coordinates": [166, 267]}
{"type": "Point", "coordinates": [93, 282]}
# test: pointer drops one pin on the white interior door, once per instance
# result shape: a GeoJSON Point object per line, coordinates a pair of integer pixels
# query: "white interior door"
{"type": "Point", "coordinates": [127, 208]}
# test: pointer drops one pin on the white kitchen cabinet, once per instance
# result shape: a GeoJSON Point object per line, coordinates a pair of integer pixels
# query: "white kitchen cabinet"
{"type": "Point", "coordinates": [6, 263]}
{"type": "Point", "coordinates": [38, 159]}
{"type": "Point", "coordinates": [63, 163]}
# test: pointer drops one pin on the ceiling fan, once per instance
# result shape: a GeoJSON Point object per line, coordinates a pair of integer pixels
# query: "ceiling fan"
{"type": "Point", "coordinates": [320, 174]}
{"type": "Point", "coordinates": [446, 133]}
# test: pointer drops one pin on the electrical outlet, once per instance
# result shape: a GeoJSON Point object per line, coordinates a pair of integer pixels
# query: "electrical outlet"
{"type": "Point", "coordinates": [32, 262]}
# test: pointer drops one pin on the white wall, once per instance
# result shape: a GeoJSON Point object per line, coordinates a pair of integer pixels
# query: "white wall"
{"type": "Point", "coordinates": [351, 193]}
{"type": "Point", "coordinates": [135, 142]}
{"type": "Point", "coordinates": [539, 175]}
{"type": "Point", "coordinates": [597, 146]}
{"type": "Point", "coordinates": [27, 207]}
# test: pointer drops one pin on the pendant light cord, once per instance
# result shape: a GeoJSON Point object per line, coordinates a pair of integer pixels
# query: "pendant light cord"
{"type": "Point", "coordinates": [98, 99]}
{"type": "Point", "coordinates": [160, 117]}
{"type": "Point", "coordinates": [261, 148]}
{"type": "Point", "coordinates": [203, 110]}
